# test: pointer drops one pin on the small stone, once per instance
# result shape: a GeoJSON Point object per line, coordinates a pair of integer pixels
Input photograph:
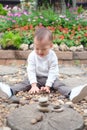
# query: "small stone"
{"type": "Point", "coordinates": [43, 99]}
{"type": "Point", "coordinates": [85, 113]}
{"type": "Point", "coordinates": [63, 47]}
{"type": "Point", "coordinates": [23, 102]}
{"type": "Point", "coordinates": [56, 106]}
{"type": "Point", "coordinates": [39, 118]}
{"type": "Point", "coordinates": [80, 48]}
{"type": "Point", "coordinates": [43, 109]}
{"type": "Point", "coordinates": [33, 121]}
{"type": "Point", "coordinates": [24, 47]}
{"type": "Point", "coordinates": [69, 104]}
{"type": "Point", "coordinates": [73, 48]}
{"type": "Point", "coordinates": [31, 46]}
{"type": "Point", "coordinates": [44, 104]}
{"type": "Point", "coordinates": [60, 102]}
{"type": "Point", "coordinates": [55, 47]}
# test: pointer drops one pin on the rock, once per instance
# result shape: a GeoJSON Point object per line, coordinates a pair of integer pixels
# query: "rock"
{"type": "Point", "coordinates": [63, 47]}
{"type": "Point", "coordinates": [44, 104]}
{"type": "Point", "coordinates": [24, 47]}
{"type": "Point", "coordinates": [80, 48]}
{"type": "Point", "coordinates": [33, 121]}
{"type": "Point", "coordinates": [43, 109]}
{"type": "Point", "coordinates": [55, 47]}
{"type": "Point", "coordinates": [85, 113]}
{"type": "Point", "coordinates": [69, 104]}
{"type": "Point", "coordinates": [31, 46]}
{"type": "Point", "coordinates": [7, 70]}
{"type": "Point", "coordinates": [39, 118]}
{"type": "Point", "coordinates": [73, 48]}
{"type": "Point", "coordinates": [61, 102]}
{"type": "Point", "coordinates": [71, 70]}
{"type": "Point", "coordinates": [20, 119]}
{"type": "Point", "coordinates": [43, 99]}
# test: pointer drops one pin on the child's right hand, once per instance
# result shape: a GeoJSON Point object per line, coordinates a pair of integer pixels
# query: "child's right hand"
{"type": "Point", "coordinates": [34, 89]}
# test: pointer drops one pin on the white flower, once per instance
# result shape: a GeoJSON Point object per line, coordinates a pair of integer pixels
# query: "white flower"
{"type": "Point", "coordinates": [66, 19]}
{"type": "Point", "coordinates": [29, 20]}
{"type": "Point", "coordinates": [62, 16]}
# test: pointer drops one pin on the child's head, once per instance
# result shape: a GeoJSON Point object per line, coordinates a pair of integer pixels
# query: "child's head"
{"type": "Point", "coordinates": [43, 41]}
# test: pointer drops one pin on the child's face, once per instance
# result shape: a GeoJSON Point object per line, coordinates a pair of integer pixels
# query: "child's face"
{"type": "Point", "coordinates": [42, 47]}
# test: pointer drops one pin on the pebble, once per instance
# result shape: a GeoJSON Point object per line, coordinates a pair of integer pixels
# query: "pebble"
{"type": "Point", "coordinates": [43, 109]}
{"type": "Point", "coordinates": [24, 47]}
{"type": "Point", "coordinates": [39, 118]}
{"type": "Point", "coordinates": [63, 47]}
{"type": "Point", "coordinates": [43, 99]}
{"type": "Point", "coordinates": [33, 121]}
{"type": "Point", "coordinates": [69, 104]}
{"type": "Point", "coordinates": [61, 102]}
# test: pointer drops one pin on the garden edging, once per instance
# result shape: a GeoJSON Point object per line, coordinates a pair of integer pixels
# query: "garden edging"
{"type": "Point", "coordinates": [20, 57]}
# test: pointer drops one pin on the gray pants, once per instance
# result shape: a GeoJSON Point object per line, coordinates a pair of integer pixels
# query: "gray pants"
{"type": "Point", "coordinates": [57, 85]}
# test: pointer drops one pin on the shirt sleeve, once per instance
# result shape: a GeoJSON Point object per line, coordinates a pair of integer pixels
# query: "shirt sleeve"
{"type": "Point", "coordinates": [53, 71]}
{"type": "Point", "coordinates": [31, 68]}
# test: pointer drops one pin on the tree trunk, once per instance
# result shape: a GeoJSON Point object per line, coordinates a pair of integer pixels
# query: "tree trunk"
{"type": "Point", "coordinates": [74, 3]}
{"type": "Point", "coordinates": [63, 5]}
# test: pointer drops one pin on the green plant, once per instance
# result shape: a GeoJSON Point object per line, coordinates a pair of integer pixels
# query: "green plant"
{"type": "Point", "coordinates": [2, 10]}
{"type": "Point", "coordinates": [80, 9]}
{"type": "Point", "coordinates": [27, 37]}
{"type": "Point", "coordinates": [11, 39]}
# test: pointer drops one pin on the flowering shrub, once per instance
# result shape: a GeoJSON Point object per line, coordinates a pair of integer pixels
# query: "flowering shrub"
{"type": "Point", "coordinates": [69, 29]}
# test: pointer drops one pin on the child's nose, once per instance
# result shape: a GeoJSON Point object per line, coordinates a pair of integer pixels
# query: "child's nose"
{"type": "Point", "coordinates": [39, 51]}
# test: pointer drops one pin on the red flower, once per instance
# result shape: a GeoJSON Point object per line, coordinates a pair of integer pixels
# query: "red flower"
{"type": "Point", "coordinates": [85, 34]}
{"type": "Point", "coordinates": [61, 37]}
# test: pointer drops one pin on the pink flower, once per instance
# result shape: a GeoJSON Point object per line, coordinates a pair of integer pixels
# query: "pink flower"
{"type": "Point", "coordinates": [25, 13]}
{"type": "Point", "coordinates": [10, 14]}
{"type": "Point", "coordinates": [9, 19]}
{"type": "Point", "coordinates": [13, 21]}
{"type": "Point", "coordinates": [41, 17]}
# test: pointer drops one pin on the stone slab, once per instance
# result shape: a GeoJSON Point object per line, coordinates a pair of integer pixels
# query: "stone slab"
{"type": "Point", "coordinates": [72, 82]}
{"type": "Point", "coordinates": [71, 70]}
{"type": "Point", "coordinates": [21, 118]}
{"type": "Point", "coordinates": [5, 70]}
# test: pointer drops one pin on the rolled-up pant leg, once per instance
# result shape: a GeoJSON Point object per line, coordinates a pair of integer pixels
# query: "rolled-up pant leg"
{"type": "Point", "coordinates": [61, 87]}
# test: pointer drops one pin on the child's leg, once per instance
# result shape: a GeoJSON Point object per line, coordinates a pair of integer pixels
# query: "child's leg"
{"type": "Point", "coordinates": [22, 86]}
{"type": "Point", "coordinates": [62, 88]}
{"type": "Point", "coordinates": [11, 90]}
{"type": "Point", "coordinates": [75, 95]}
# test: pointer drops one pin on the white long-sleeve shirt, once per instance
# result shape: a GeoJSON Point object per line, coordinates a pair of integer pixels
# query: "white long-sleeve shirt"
{"type": "Point", "coordinates": [43, 66]}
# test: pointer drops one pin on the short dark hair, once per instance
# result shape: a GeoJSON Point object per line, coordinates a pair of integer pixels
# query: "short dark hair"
{"type": "Point", "coordinates": [42, 32]}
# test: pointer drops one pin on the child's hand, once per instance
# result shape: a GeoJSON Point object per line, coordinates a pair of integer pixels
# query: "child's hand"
{"type": "Point", "coordinates": [34, 89]}
{"type": "Point", "coordinates": [46, 89]}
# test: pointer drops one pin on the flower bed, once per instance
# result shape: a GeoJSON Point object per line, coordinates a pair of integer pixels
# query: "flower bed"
{"type": "Point", "coordinates": [17, 27]}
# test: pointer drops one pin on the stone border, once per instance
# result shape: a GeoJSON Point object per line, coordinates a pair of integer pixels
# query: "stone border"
{"type": "Point", "coordinates": [20, 57]}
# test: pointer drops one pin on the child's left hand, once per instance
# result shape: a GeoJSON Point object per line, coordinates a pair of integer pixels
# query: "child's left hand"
{"type": "Point", "coordinates": [46, 89]}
